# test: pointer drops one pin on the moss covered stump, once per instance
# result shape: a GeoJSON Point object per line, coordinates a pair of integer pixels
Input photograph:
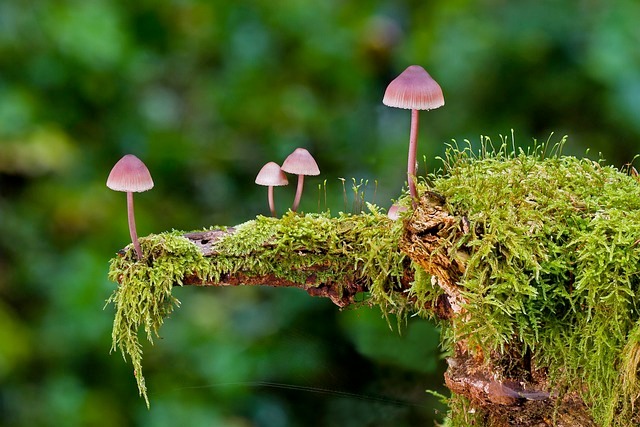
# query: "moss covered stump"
{"type": "Point", "coordinates": [529, 262]}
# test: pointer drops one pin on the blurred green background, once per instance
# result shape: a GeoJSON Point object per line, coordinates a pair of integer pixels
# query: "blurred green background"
{"type": "Point", "coordinates": [207, 92]}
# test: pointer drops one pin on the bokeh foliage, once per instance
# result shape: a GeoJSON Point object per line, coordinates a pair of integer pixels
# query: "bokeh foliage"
{"type": "Point", "coordinates": [205, 93]}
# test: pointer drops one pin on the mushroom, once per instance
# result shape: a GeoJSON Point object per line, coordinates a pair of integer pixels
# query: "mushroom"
{"type": "Point", "coordinates": [300, 163]}
{"type": "Point", "coordinates": [395, 211]}
{"type": "Point", "coordinates": [130, 175]}
{"type": "Point", "coordinates": [414, 89]}
{"type": "Point", "coordinates": [271, 175]}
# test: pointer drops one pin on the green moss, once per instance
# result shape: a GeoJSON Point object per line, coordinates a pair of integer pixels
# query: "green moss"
{"type": "Point", "coordinates": [461, 413]}
{"type": "Point", "coordinates": [351, 248]}
{"type": "Point", "coordinates": [365, 245]}
{"type": "Point", "coordinates": [143, 297]}
{"type": "Point", "coordinates": [554, 268]}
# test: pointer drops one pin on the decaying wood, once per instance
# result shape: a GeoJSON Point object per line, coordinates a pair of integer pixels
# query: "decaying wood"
{"type": "Point", "coordinates": [422, 241]}
{"type": "Point", "coordinates": [524, 399]}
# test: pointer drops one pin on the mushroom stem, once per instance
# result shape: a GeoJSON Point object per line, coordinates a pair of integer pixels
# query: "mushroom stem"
{"type": "Point", "coordinates": [132, 225]}
{"type": "Point", "coordinates": [272, 205]}
{"type": "Point", "coordinates": [296, 201]}
{"type": "Point", "coordinates": [413, 150]}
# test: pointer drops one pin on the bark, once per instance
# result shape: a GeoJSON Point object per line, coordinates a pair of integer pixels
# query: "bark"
{"type": "Point", "coordinates": [524, 399]}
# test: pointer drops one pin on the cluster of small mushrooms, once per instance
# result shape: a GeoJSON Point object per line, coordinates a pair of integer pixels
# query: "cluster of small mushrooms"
{"type": "Point", "coordinates": [413, 89]}
{"type": "Point", "coordinates": [300, 163]}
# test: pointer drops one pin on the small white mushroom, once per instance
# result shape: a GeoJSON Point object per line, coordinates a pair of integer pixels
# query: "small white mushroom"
{"type": "Point", "coordinates": [300, 163]}
{"type": "Point", "coordinates": [271, 176]}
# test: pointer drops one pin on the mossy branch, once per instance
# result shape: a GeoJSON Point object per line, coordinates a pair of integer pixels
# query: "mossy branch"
{"type": "Point", "coordinates": [337, 257]}
{"type": "Point", "coordinates": [529, 262]}
{"type": "Point", "coordinates": [324, 256]}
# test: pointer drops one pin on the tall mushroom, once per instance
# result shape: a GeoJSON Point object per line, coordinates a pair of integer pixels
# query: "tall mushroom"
{"type": "Point", "coordinates": [414, 89]}
{"type": "Point", "coordinates": [271, 175]}
{"type": "Point", "coordinates": [130, 175]}
{"type": "Point", "coordinates": [300, 163]}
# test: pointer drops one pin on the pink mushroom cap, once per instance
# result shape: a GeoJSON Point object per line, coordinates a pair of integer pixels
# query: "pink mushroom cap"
{"type": "Point", "coordinates": [271, 175]}
{"type": "Point", "coordinates": [300, 162]}
{"type": "Point", "coordinates": [414, 89]}
{"type": "Point", "coordinates": [130, 175]}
